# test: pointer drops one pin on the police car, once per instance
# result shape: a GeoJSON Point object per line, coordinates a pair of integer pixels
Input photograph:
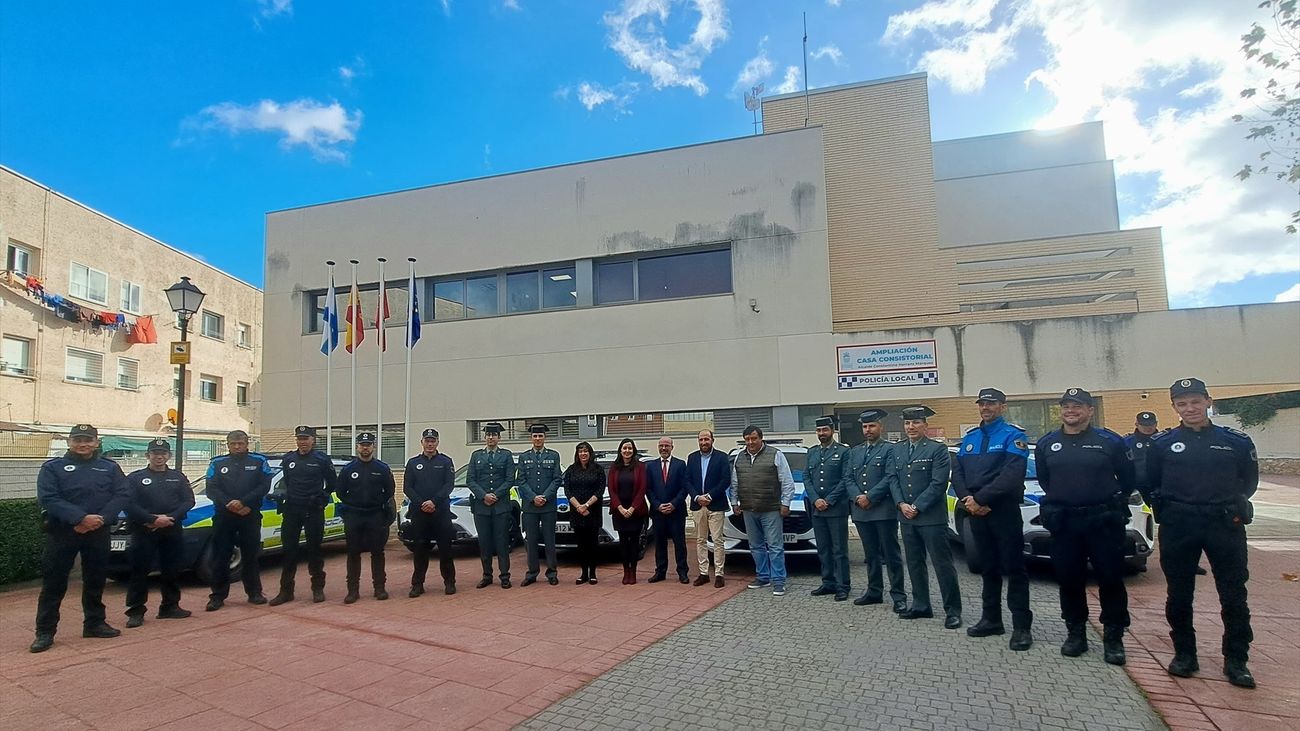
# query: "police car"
{"type": "Point", "coordinates": [199, 547]}
{"type": "Point", "coordinates": [462, 519]}
{"type": "Point", "coordinates": [1139, 533]}
{"type": "Point", "coordinates": [797, 530]}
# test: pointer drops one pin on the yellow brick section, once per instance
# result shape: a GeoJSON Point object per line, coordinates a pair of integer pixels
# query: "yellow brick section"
{"type": "Point", "coordinates": [880, 201]}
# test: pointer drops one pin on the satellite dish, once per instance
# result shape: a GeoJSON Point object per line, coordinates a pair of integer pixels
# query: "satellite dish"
{"type": "Point", "coordinates": [154, 422]}
{"type": "Point", "coordinates": [171, 416]}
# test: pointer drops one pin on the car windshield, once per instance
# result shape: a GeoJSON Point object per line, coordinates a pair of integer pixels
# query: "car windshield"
{"type": "Point", "coordinates": [199, 486]}
{"type": "Point", "coordinates": [1032, 472]}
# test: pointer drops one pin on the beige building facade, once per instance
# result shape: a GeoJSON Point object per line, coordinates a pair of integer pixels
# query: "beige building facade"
{"type": "Point", "coordinates": [57, 369]}
{"type": "Point", "coordinates": [766, 280]}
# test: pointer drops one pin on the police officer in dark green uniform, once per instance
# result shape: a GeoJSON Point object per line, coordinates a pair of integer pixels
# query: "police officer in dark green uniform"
{"type": "Point", "coordinates": [920, 490]}
{"type": "Point", "coordinates": [489, 479]}
{"type": "Point", "coordinates": [538, 475]}
{"type": "Point", "coordinates": [365, 489]}
{"type": "Point", "coordinates": [870, 472]}
{"type": "Point", "coordinates": [825, 492]}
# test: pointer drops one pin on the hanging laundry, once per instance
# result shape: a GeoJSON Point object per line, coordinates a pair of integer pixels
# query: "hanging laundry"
{"type": "Point", "coordinates": [108, 318]}
{"type": "Point", "coordinates": [144, 331]}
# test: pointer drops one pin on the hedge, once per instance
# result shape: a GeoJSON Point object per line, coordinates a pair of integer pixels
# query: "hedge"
{"type": "Point", "coordinates": [21, 540]}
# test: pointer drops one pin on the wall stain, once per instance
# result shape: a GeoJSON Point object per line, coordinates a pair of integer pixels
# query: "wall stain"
{"type": "Point", "coordinates": [1027, 332]}
{"type": "Point", "coordinates": [276, 262]}
{"type": "Point", "coordinates": [744, 190]}
{"type": "Point", "coordinates": [959, 344]}
{"type": "Point", "coordinates": [803, 196]}
{"type": "Point", "coordinates": [580, 193]}
{"type": "Point", "coordinates": [745, 226]}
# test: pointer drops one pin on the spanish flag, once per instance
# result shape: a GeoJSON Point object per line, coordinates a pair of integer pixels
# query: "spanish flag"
{"type": "Point", "coordinates": [356, 330]}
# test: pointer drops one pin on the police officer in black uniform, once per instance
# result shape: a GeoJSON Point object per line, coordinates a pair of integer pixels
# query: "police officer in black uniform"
{"type": "Point", "coordinates": [1139, 443]}
{"type": "Point", "coordinates": [160, 499]}
{"type": "Point", "coordinates": [81, 494]}
{"type": "Point", "coordinates": [365, 490]}
{"type": "Point", "coordinates": [237, 483]}
{"type": "Point", "coordinates": [304, 492]}
{"type": "Point", "coordinates": [1086, 473]}
{"type": "Point", "coordinates": [1201, 478]}
{"type": "Point", "coordinates": [427, 484]}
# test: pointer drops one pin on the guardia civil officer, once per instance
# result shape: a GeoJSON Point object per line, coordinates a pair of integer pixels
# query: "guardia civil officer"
{"type": "Point", "coordinates": [989, 479]}
{"type": "Point", "coordinates": [365, 490]}
{"type": "Point", "coordinates": [81, 494]}
{"type": "Point", "coordinates": [538, 475]}
{"type": "Point", "coordinates": [427, 484]}
{"type": "Point", "coordinates": [920, 491]}
{"type": "Point", "coordinates": [237, 483]}
{"type": "Point", "coordinates": [303, 493]}
{"type": "Point", "coordinates": [825, 491]}
{"type": "Point", "coordinates": [489, 478]}
{"type": "Point", "coordinates": [1201, 478]}
{"type": "Point", "coordinates": [1086, 473]}
{"type": "Point", "coordinates": [869, 473]}
{"type": "Point", "coordinates": [160, 499]}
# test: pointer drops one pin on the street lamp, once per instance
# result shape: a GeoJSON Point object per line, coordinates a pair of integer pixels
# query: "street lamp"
{"type": "Point", "coordinates": [185, 299]}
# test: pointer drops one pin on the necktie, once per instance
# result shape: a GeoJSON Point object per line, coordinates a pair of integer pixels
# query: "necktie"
{"type": "Point", "coordinates": [665, 470]}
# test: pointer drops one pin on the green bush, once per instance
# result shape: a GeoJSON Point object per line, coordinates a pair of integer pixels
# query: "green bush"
{"type": "Point", "coordinates": [21, 540]}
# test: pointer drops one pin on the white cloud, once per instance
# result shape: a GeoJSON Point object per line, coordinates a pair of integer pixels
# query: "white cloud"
{"type": "Point", "coordinates": [511, 5]}
{"type": "Point", "coordinates": [834, 3]}
{"type": "Point", "coordinates": [1165, 77]}
{"type": "Point", "coordinates": [446, 7]}
{"type": "Point", "coordinates": [1291, 295]}
{"type": "Point", "coordinates": [592, 95]}
{"type": "Point", "coordinates": [790, 83]}
{"type": "Point", "coordinates": [755, 70]}
{"type": "Point", "coordinates": [637, 34]}
{"type": "Point", "coordinates": [350, 71]}
{"type": "Point", "coordinates": [324, 129]}
{"type": "Point", "coordinates": [272, 8]}
{"type": "Point", "coordinates": [831, 51]}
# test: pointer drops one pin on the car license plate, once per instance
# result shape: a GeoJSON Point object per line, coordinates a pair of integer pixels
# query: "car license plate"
{"type": "Point", "coordinates": [117, 544]}
{"type": "Point", "coordinates": [790, 537]}
{"type": "Point", "coordinates": [563, 528]}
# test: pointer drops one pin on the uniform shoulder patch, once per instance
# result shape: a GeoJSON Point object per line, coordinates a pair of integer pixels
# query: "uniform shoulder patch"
{"type": "Point", "coordinates": [1236, 432]}
{"type": "Point", "coordinates": [1110, 435]}
{"type": "Point", "coordinates": [1016, 426]}
{"type": "Point", "coordinates": [973, 428]}
{"type": "Point", "coordinates": [1161, 435]}
{"type": "Point", "coordinates": [1022, 444]}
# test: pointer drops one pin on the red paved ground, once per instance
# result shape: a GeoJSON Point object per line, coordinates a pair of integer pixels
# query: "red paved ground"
{"type": "Point", "coordinates": [1208, 701]}
{"type": "Point", "coordinates": [482, 659]}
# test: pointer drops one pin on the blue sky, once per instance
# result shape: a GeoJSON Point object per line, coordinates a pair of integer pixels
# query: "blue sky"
{"type": "Point", "coordinates": [189, 121]}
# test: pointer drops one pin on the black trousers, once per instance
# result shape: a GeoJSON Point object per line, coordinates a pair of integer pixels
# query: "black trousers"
{"type": "Point", "coordinates": [494, 540]}
{"type": "Point", "coordinates": [1000, 537]}
{"type": "Point", "coordinates": [434, 526]}
{"type": "Point", "coordinates": [629, 545]}
{"type": "Point", "coordinates": [168, 545]}
{"type": "Point", "coordinates": [832, 536]}
{"type": "Point", "coordinates": [1077, 538]}
{"type": "Point", "coordinates": [62, 546]}
{"type": "Point", "coordinates": [1182, 540]}
{"type": "Point", "coordinates": [229, 531]}
{"type": "Point", "coordinates": [670, 527]}
{"type": "Point", "coordinates": [880, 544]}
{"type": "Point", "coordinates": [297, 520]}
{"type": "Point", "coordinates": [919, 540]}
{"type": "Point", "coordinates": [539, 532]}
{"type": "Point", "coordinates": [365, 533]}
{"type": "Point", "coordinates": [587, 536]}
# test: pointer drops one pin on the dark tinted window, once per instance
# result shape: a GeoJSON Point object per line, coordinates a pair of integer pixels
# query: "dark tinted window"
{"type": "Point", "coordinates": [684, 275]}
{"type": "Point", "coordinates": [614, 282]}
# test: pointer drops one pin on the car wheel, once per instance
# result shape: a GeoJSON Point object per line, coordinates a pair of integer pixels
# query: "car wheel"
{"type": "Point", "coordinates": [974, 561]}
{"type": "Point", "coordinates": [205, 568]}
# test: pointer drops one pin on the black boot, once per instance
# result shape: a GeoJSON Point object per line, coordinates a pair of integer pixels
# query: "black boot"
{"type": "Point", "coordinates": [1076, 641]}
{"type": "Point", "coordinates": [381, 592]}
{"type": "Point", "coordinates": [1184, 664]}
{"type": "Point", "coordinates": [582, 579]}
{"type": "Point", "coordinates": [416, 590]}
{"type": "Point", "coordinates": [354, 593]}
{"type": "Point", "coordinates": [1238, 674]}
{"type": "Point", "coordinates": [42, 642]}
{"type": "Point", "coordinates": [1113, 645]}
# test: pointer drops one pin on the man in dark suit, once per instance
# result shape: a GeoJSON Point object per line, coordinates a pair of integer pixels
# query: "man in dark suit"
{"type": "Point", "coordinates": [666, 489]}
{"type": "Point", "coordinates": [708, 476]}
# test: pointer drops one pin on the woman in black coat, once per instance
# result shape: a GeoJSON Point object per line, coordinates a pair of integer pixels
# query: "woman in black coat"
{"type": "Point", "coordinates": [584, 485]}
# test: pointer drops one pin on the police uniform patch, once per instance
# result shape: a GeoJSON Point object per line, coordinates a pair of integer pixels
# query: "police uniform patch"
{"type": "Point", "coordinates": [69, 468]}
{"type": "Point", "coordinates": [969, 447]}
{"type": "Point", "coordinates": [1073, 392]}
{"type": "Point", "coordinates": [224, 470]}
{"type": "Point", "coordinates": [1056, 447]}
{"type": "Point", "coordinates": [355, 475]}
{"type": "Point", "coordinates": [1021, 443]}
{"type": "Point", "coordinates": [292, 465]}
{"type": "Point", "coordinates": [419, 466]}
{"type": "Point", "coordinates": [147, 481]}
{"type": "Point", "coordinates": [1185, 383]}
{"type": "Point", "coordinates": [1177, 447]}
{"type": "Point", "coordinates": [1138, 445]}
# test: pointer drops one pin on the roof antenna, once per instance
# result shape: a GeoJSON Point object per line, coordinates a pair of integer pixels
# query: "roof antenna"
{"type": "Point", "coordinates": [753, 102]}
{"type": "Point", "coordinates": [806, 103]}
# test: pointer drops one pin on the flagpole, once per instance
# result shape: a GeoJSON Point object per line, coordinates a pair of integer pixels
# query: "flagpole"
{"type": "Point", "coordinates": [380, 310]}
{"type": "Point", "coordinates": [355, 316]}
{"type": "Point", "coordinates": [331, 339]}
{"type": "Point", "coordinates": [410, 318]}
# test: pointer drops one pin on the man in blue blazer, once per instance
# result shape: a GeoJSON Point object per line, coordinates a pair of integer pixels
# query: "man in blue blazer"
{"type": "Point", "coordinates": [708, 477]}
{"type": "Point", "coordinates": [666, 490]}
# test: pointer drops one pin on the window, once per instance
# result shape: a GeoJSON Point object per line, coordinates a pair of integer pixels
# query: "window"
{"type": "Point", "coordinates": [128, 374]}
{"type": "Point", "coordinates": [516, 430]}
{"type": "Point", "coordinates": [130, 297]}
{"type": "Point", "coordinates": [449, 300]}
{"type": "Point", "coordinates": [808, 416]}
{"type": "Point", "coordinates": [241, 393]}
{"type": "Point", "coordinates": [695, 274]}
{"type": "Point", "coordinates": [559, 288]}
{"type": "Point", "coordinates": [1054, 279]}
{"type": "Point", "coordinates": [214, 325]}
{"type": "Point", "coordinates": [481, 296]}
{"type": "Point", "coordinates": [18, 259]}
{"type": "Point", "coordinates": [244, 335]}
{"type": "Point", "coordinates": [521, 292]}
{"type": "Point", "coordinates": [392, 448]}
{"type": "Point", "coordinates": [680, 422]}
{"type": "Point", "coordinates": [1042, 259]}
{"type": "Point", "coordinates": [16, 356]}
{"type": "Point", "coordinates": [1077, 299]}
{"type": "Point", "coordinates": [88, 284]}
{"type": "Point", "coordinates": [614, 282]}
{"type": "Point", "coordinates": [210, 388]}
{"type": "Point", "coordinates": [84, 366]}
